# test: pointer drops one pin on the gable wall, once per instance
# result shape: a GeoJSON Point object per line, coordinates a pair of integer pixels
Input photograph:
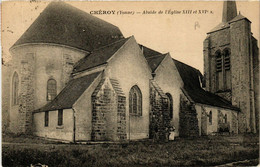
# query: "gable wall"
{"type": "Point", "coordinates": [169, 80]}
{"type": "Point", "coordinates": [130, 68]}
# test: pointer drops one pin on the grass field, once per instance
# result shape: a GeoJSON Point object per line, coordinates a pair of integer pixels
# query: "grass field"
{"type": "Point", "coordinates": [211, 150]}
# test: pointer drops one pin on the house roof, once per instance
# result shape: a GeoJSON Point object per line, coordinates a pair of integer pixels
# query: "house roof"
{"type": "Point", "coordinates": [99, 56]}
{"type": "Point", "coordinates": [70, 94]}
{"type": "Point", "coordinates": [64, 24]}
{"type": "Point", "coordinates": [191, 78]}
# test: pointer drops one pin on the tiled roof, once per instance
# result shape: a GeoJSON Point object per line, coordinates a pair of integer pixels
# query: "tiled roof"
{"type": "Point", "coordinates": [99, 56]}
{"type": "Point", "coordinates": [191, 78]}
{"type": "Point", "coordinates": [64, 24]}
{"type": "Point", "coordinates": [70, 94]}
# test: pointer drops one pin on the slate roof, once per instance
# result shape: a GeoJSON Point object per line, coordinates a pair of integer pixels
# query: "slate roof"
{"type": "Point", "coordinates": [70, 94]}
{"type": "Point", "coordinates": [155, 61]}
{"type": "Point", "coordinates": [99, 56]}
{"type": "Point", "coordinates": [148, 52]}
{"type": "Point", "coordinates": [152, 57]}
{"type": "Point", "coordinates": [64, 24]}
{"type": "Point", "coordinates": [191, 78]}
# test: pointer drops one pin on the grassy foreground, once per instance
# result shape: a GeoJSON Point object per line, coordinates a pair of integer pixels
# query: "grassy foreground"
{"type": "Point", "coordinates": [212, 150]}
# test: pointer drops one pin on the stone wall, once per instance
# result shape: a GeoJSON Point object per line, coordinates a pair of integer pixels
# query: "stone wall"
{"type": "Point", "coordinates": [108, 113]}
{"type": "Point", "coordinates": [188, 118]}
{"type": "Point", "coordinates": [6, 87]}
{"type": "Point", "coordinates": [256, 80]}
{"type": "Point", "coordinates": [237, 37]}
{"type": "Point", "coordinates": [62, 132]}
{"type": "Point", "coordinates": [26, 94]}
{"type": "Point", "coordinates": [159, 114]}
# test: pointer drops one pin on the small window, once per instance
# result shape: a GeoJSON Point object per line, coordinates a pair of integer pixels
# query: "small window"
{"type": "Point", "coordinates": [135, 101]}
{"type": "Point", "coordinates": [51, 89]}
{"type": "Point", "coordinates": [170, 105]}
{"type": "Point", "coordinates": [60, 117]}
{"type": "Point", "coordinates": [225, 118]}
{"type": "Point", "coordinates": [15, 84]}
{"type": "Point", "coordinates": [210, 117]}
{"type": "Point", "coordinates": [46, 119]}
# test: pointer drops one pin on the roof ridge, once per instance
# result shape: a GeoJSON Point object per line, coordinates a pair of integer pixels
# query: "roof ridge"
{"type": "Point", "coordinates": [110, 44]}
{"type": "Point", "coordinates": [158, 55]}
{"type": "Point", "coordinates": [186, 64]}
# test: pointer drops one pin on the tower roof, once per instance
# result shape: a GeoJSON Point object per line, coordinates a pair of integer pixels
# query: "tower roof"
{"type": "Point", "coordinates": [64, 24]}
{"type": "Point", "coordinates": [229, 11]}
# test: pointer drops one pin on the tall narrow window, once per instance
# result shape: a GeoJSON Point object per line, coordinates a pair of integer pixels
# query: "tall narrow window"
{"type": "Point", "coordinates": [225, 118]}
{"type": "Point", "coordinates": [46, 119]}
{"type": "Point", "coordinates": [170, 105]}
{"type": "Point", "coordinates": [15, 88]}
{"type": "Point", "coordinates": [60, 117]}
{"type": "Point", "coordinates": [227, 76]}
{"type": "Point", "coordinates": [51, 89]}
{"type": "Point", "coordinates": [219, 73]}
{"type": "Point", "coordinates": [210, 117]}
{"type": "Point", "coordinates": [135, 101]}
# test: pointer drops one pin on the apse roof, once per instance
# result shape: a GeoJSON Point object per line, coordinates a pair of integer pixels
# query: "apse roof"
{"type": "Point", "coordinates": [70, 94]}
{"type": "Point", "coordinates": [64, 24]}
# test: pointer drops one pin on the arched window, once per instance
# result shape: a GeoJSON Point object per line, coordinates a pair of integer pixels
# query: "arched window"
{"type": "Point", "coordinates": [15, 88]}
{"type": "Point", "coordinates": [135, 101]}
{"type": "Point", "coordinates": [219, 73]}
{"type": "Point", "coordinates": [170, 105]}
{"type": "Point", "coordinates": [227, 76]}
{"type": "Point", "coordinates": [51, 89]}
{"type": "Point", "coordinates": [210, 117]}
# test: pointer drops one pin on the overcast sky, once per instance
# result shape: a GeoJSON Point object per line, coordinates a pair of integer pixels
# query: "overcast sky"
{"type": "Point", "coordinates": [180, 34]}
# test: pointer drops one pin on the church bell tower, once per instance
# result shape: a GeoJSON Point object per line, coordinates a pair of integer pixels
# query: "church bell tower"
{"type": "Point", "coordinates": [231, 65]}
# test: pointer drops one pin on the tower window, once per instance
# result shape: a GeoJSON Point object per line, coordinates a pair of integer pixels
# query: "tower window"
{"type": "Point", "coordinates": [218, 62]}
{"type": "Point", "coordinates": [51, 89]}
{"type": "Point", "coordinates": [15, 89]}
{"type": "Point", "coordinates": [219, 73]}
{"type": "Point", "coordinates": [135, 101]}
{"type": "Point", "coordinates": [227, 74]}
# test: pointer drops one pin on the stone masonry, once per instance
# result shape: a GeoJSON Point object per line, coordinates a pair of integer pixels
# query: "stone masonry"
{"type": "Point", "coordinates": [108, 112]}
{"type": "Point", "coordinates": [235, 35]}
{"type": "Point", "coordinates": [159, 114]}
{"type": "Point", "coordinates": [188, 118]}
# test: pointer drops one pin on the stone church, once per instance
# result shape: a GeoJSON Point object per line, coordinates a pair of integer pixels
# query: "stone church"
{"type": "Point", "coordinates": [75, 77]}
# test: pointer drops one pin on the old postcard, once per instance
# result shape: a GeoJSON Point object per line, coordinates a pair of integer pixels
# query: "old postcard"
{"type": "Point", "coordinates": [171, 83]}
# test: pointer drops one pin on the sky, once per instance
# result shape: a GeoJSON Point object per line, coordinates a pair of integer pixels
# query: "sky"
{"type": "Point", "coordinates": [180, 34]}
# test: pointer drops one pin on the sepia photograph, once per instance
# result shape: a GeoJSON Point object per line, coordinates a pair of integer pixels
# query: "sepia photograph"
{"type": "Point", "coordinates": [130, 83]}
